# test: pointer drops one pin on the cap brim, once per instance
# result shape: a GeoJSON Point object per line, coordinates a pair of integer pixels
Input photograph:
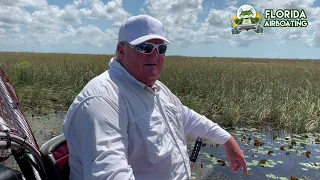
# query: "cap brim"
{"type": "Point", "coordinates": [147, 38]}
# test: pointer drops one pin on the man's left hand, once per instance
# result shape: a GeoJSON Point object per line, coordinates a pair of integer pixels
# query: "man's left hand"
{"type": "Point", "coordinates": [235, 155]}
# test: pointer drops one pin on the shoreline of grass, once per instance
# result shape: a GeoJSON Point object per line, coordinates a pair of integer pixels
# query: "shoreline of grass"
{"type": "Point", "coordinates": [230, 91]}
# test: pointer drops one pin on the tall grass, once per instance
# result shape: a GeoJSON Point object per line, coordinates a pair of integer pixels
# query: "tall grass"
{"type": "Point", "coordinates": [230, 91]}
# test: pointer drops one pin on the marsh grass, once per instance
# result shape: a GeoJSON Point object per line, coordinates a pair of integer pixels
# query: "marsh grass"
{"type": "Point", "coordinates": [232, 91]}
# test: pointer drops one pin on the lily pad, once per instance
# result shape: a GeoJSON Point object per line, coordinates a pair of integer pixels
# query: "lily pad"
{"type": "Point", "coordinates": [209, 166]}
{"type": "Point", "coordinates": [296, 135]}
{"type": "Point", "coordinates": [267, 147]}
{"type": "Point", "coordinates": [269, 163]}
{"type": "Point", "coordinates": [284, 178]}
{"type": "Point", "coordinates": [207, 155]}
{"type": "Point", "coordinates": [270, 153]}
{"type": "Point", "coordinates": [292, 149]}
{"type": "Point", "coordinates": [253, 163]}
{"type": "Point", "coordinates": [262, 152]}
{"type": "Point", "coordinates": [271, 176]}
{"type": "Point", "coordinates": [301, 152]}
{"type": "Point", "coordinates": [311, 165]}
{"type": "Point", "coordinates": [214, 160]}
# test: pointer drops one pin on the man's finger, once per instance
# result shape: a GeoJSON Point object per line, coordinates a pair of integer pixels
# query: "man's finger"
{"type": "Point", "coordinates": [237, 167]}
{"type": "Point", "coordinates": [244, 166]}
{"type": "Point", "coordinates": [232, 165]}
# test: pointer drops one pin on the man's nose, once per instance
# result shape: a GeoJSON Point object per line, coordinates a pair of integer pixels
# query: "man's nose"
{"type": "Point", "coordinates": [154, 55]}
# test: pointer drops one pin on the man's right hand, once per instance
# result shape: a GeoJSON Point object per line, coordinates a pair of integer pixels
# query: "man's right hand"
{"type": "Point", "coordinates": [235, 155]}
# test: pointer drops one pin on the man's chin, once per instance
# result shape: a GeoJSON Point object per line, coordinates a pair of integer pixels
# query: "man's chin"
{"type": "Point", "coordinates": [150, 80]}
{"type": "Point", "coordinates": [151, 74]}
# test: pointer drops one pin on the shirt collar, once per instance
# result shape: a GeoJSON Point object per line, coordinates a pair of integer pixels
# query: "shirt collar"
{"type": "Point", "coordinates": [116, 67]}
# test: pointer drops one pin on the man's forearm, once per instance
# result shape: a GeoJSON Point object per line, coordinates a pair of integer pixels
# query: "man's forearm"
{"type": "Point", "coordinates": [230, 143]}
{"type": "Point", "coordinates": [197, 125]}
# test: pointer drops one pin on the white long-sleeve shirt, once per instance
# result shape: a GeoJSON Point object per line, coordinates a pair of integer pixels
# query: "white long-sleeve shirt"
{"type": "Point", "coordinates": [119, 129]}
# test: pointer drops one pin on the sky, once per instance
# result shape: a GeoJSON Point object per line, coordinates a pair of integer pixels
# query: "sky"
{"type": "Point", "coordinates": [198, 28]}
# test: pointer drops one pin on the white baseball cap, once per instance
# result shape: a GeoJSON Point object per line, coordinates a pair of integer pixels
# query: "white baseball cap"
{"type": "Point", "coordinates": [141, 28]}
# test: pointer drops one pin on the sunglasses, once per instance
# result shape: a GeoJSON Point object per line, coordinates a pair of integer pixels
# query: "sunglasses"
{"type": "Point", "coordinates": [147, 48]}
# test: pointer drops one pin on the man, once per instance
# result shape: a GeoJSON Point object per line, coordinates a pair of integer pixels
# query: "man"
{"type": "Point", "coordinates": [125, 124]}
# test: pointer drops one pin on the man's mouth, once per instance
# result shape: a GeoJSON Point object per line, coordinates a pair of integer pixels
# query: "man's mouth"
{"type": "Point", "coordinates": [151, 64]}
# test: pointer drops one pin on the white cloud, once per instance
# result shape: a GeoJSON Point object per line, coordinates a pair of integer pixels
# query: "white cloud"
{"type": "Point", "coordinates": [231, 2]}
{"type": "Point", "coordinates": [9, 27]}
{"type": "Point", "coordinates": [307, 35]}
{"type": "Point", "coordinates": [315, 39]}
{"type": "Point", "coordinates": [46, 25]}
{"type": "Point", "coordinates": [181, 22]}
{"type": "Point", "coordinates": [2, 31]}
{"type": "Point", "coordinates": [143, 11]}
{"type": "Point", "coordinates": [179, 13]}
{"type": "Point", "coordinates": [87, 35]}
{"type": "Point", "coordinates": [54, 15]}
{"type": "Point", "coordinates": [178, 18]}
{"type": "Point", "coordinates": [217, 26]}
{"type": "Point", "coordinates": [37, 4]}
{"type": "Point", "coordinates": [70, 14]}
{"type": "Point", "coordinates": [90, 35]}
{"type": "Point", "coordinates": [312, 37]}
{"type": "Point", "coordinates": [283, 4]}
{"type": "Point", "coordinates": [181, 35]}
{"type": "Point", "coordinates": [14, 15]}
{"type": "Point", "coordinates": [86, 2]}
{"type": "Point", "coordinates": [113, 10]}
{"type": "Point", "coordinates": [219, 18]}
{"type": "Point", "coordinates": [51, 24]}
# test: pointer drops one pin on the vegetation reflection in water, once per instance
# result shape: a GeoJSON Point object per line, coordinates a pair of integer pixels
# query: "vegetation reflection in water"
{"type": "Point", "coordinates": [269, 154]}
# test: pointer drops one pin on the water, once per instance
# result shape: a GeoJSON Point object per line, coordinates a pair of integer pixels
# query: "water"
{"type": "Point", "coordinates": [45, 127]}
{"type": "Point", "coordinates": [300, 157]}
{"type": "Point", "coordinates": [281, 164]}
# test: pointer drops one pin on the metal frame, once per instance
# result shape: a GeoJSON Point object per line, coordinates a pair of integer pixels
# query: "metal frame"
{"type": "Point", "coordinates": [22, 149]}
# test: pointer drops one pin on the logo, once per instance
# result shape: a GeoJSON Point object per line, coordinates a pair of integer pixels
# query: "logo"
{"type": "Point", "coordinates": [285, 18]}
{"type": "Point", "coordinates": [248, 19]}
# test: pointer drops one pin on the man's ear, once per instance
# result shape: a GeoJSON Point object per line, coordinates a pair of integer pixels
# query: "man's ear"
{"type": "Point", "coordinates": [120, 51]}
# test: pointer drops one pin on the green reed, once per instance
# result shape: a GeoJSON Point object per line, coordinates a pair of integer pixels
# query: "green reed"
{"type": "Point", "coordinates": [231, 91]}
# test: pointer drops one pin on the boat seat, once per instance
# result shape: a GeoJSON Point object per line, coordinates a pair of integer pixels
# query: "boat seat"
{"type": "Point", "coordinates": [55, 156]}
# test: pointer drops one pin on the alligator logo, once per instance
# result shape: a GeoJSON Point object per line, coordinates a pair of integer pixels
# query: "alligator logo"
{"type": "Point", "coordinates": [246, 19]}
